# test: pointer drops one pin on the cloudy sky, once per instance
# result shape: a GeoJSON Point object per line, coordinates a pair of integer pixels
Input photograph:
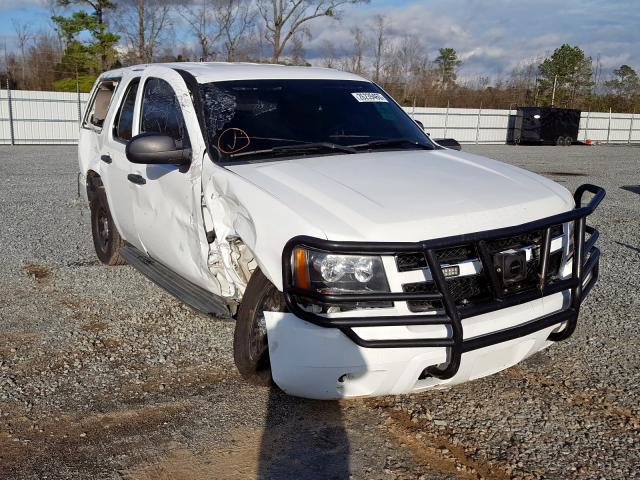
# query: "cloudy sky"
{"type": "Point", "coordinates": [491, 36]}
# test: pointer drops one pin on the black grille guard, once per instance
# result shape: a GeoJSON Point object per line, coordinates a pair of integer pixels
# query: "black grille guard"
{"type": "Point", "coordinates": [585, 263]}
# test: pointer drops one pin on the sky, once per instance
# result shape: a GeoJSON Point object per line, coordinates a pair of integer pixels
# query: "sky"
{"type": "Point", "coordinates": [491, 36]}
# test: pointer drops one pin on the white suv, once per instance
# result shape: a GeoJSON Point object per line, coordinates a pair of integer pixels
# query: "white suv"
{"type": "Point", "coordinates": [356, 255]}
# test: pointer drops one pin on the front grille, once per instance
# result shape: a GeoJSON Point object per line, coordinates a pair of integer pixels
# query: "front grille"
{"type": "Point", "coordinates": [475, 289]}
{"type": "Point", "coordinates": [519, 241]}
{"type": "Point", "coordinates": [410, 261]}
{"type": "Point", "coordinates": [460, 253]}
{"type": "Point", "coordinates": [464, 290]}
{"type": "Point", "coordinates": [416, 260]}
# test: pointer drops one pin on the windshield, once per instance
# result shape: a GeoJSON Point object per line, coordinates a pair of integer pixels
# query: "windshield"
{"type": "Point", "coordinates": [266, 119]}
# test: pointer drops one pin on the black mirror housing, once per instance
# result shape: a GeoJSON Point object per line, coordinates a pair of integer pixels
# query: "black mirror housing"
{"type": "Point", "coordinates": [155, 148]}
{"type": "Point", "coordinates": [451, 143]}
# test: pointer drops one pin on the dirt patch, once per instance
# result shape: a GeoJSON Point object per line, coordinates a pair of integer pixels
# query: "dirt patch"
{"type": "Point", "coordinates": [594, 402]}
{"type": "Point", "coordinates": [79, 441]}
{"type": "Point", "coordinates": [94, 327]}
{"type": "Point", "coordinates": [239, 462]}
{"type": "Point", "coordinates": [434, 448]}
{"type": "Point", "coordinates": [40, 273]}
{"type": "Point", "coordinates": [186, 380]}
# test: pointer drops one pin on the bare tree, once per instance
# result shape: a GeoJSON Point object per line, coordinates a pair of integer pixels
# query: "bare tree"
{"type": "Point", "coordinates": [330, 55]}
{"type": "Point", "coordinates": [24, 36]}
{"type": "Point", "coordinates": [283, 19]}
{"type": "Point", "coordinates": [39, 62]}
{"type": "Point", "coordinates": [297, 51]}
{"type": "Point", "coordinates": [355, 64]}
{"type": "Point", "coordinates": [142, 24]}
{"type": "Point", "coordinates": [234, 20]}
{"type": "Point", "coordinates": [200, 15]}
{"type": "Point", "coordinates": [379, 30]}
{"type": "Point", "coordinates": [409, 55]}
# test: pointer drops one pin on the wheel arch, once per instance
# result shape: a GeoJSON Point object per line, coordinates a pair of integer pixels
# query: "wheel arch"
{"type": "Point", "coordinates": [93, 182]}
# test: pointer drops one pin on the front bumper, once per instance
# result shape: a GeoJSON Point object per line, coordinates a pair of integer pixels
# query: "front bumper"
{"type": "Point", "coordinates": [515, 325]}
{"type": "Point", "coordinates": [322, 363]}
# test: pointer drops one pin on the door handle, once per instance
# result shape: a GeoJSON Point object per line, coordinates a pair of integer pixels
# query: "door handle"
{"type": "Point", "coordinates": [137, 179]}
{"type": "Point", "coordinates": [106, 158]}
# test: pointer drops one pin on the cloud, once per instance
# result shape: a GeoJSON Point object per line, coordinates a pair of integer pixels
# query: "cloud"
{"type": "Point", "coordinates": [494, 36]}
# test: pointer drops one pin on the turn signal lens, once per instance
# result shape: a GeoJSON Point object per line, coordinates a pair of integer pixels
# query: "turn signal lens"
{"type": "Point", "coordinates": [300, 268]}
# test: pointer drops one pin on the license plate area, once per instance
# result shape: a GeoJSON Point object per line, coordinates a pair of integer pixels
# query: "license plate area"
{"type": "Point", "coordinates": [511, 266]}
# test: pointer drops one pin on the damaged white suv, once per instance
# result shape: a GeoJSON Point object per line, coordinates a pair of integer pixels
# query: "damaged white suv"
{"type": "Point", "coordinates": [357, 256]}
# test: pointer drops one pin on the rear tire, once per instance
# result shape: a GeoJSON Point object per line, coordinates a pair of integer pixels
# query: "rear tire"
{"type": "Point", "coordinates": [106, 238]}
{"type": "Point", "coordinates": [250, 347]}
{"type": "Point", "coordinates": [568, 141]}
{"type": "Point", "coordinates": [560, 141]}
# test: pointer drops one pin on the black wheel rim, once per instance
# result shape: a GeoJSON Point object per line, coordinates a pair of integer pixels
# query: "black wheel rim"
{"type": "Point", "coordinates": [103, 229]}
{"type": "Point", "coordinates": [271, 300]}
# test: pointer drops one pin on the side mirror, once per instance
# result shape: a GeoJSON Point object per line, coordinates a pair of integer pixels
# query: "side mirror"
{"type": "Point", "coordinates": [448, 143]}
{"type": "Point", "coordinates": [155, 148]}
{"type": "Point", "coordinates": [420, 124]}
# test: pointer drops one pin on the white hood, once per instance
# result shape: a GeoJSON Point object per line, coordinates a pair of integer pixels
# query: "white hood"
{"type": "Point", "coordinates": [406, 195]}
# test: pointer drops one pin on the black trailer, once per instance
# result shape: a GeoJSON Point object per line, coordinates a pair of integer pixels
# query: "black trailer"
{"type": "Point", "coordinates": [546, 125]}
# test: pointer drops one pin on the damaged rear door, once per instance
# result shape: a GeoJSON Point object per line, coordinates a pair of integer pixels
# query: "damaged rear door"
{"type": "Point", "coordinates": [168, 197]}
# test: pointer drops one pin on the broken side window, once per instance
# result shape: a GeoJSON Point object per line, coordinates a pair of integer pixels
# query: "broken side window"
{"type": "Point", "coordinates": [161, 112]}
{"type": "Point", "coordinates": [99, 104]}
{"type": "Point", "coordinates": [123, 123]}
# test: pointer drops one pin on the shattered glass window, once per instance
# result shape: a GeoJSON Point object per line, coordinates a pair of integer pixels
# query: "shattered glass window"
{"type": "Point", "coordinates": [161, 112]}
{"type": "Point", "coordinates": [122, 126]}
{"type": "Point", "coordinates": [248, 119]}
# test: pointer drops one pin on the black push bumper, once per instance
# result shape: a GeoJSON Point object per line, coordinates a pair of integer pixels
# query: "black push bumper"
{"type": "Point", "coordinates": [584, 274]}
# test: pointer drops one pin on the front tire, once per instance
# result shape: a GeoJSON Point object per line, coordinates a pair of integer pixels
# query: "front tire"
{"type": "Point", "coordinates": [250, 347]}
{"type": "Point", "coordinates": [106, 238]}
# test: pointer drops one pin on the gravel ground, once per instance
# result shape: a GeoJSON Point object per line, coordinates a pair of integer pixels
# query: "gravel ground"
{"type": "Point", "coordinates": [103, 375]}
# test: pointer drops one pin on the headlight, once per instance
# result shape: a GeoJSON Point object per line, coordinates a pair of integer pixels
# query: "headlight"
{"type": "Point", "coordinates": [332, 273]}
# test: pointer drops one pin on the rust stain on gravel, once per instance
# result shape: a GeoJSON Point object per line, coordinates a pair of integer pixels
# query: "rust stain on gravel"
{"type": "Point", "coordinates": [434, 448]}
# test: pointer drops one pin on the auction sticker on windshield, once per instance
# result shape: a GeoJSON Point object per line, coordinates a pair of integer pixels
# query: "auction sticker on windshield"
{"type": "Point", "coordinates": [364, 97]}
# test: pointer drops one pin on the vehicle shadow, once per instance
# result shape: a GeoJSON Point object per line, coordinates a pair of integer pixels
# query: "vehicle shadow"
{"type": "Point", "coordinates": [303, 440]}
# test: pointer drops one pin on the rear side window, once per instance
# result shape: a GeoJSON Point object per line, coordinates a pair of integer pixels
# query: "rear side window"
{"type": "Point", "coordinates": [161, 112]}
{"type": "Point", "coordinates": [99, 105]}
{"type": "Point", "coordinates": [123, 124]}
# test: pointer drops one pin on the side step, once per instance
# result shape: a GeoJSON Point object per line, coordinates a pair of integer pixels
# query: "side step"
{"type": "Point", "coordinates": [193, 295]}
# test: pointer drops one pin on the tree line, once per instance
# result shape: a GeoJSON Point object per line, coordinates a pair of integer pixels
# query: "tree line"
{"type": "Point", "coordinates": [90, 36]}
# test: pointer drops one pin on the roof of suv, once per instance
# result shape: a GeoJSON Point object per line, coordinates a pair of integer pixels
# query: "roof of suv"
{"type": "Point", "coordinates": [205, 72]}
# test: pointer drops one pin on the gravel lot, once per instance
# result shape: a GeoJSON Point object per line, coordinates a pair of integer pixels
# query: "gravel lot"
{"type": "Point", "coordinates": [103, 375]}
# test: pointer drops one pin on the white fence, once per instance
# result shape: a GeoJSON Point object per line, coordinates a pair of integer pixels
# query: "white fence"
{"type": "Point", "coordinates": [28, 117]}
{"type": "Point", "coordinates": [476, 125]}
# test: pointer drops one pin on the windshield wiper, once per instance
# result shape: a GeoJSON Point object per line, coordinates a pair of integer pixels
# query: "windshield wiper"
{"type": "Point", "coordinates": [390, 142]}
{"type": "Point", "coordinates": [303, 147]}
{"type": "Point", "coordinates": [315, 146]}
